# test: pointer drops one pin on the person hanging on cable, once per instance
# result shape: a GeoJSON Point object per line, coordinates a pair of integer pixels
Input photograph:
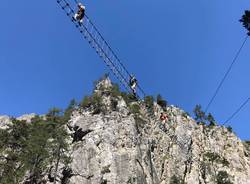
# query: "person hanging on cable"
{"type": "Point", "coordinates": [80, 13]}
{"type": "Point", "coordinates": [133, 84]}
{"type": "Point", "coordinates": [246, 21]}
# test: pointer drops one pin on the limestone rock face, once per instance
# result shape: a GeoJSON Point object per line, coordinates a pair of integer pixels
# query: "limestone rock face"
{"type": "Point", "coordinates": [118, 147]}
{"type": "Point", "coordinates": [118, 144]}
{"type": "Point", "coordinates": [26, 117]}
{"type": "Point", "coordinates": [4, 122]}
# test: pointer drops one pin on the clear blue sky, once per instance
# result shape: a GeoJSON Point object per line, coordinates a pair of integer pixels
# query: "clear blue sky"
{"type": "Point", "coordinates": [178, 48]}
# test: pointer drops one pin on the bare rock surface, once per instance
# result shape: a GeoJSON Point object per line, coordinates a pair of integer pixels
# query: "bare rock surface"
{"type": "Point", "coordinates": [115, 148]}
{"type": "Point", "coordinates": [26, 117]}
{"type": "Point", "coordinates": [4, 122]}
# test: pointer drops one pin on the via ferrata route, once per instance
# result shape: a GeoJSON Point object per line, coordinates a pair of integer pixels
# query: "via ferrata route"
{"type": "Point", "coordinates": [102, 48]}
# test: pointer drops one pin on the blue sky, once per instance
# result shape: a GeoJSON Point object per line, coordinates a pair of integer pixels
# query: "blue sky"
{"type": "Point", "coordinates": [180, 49]}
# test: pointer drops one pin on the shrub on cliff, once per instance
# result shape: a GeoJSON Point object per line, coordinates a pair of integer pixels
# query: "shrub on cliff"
{"type": "Point", "coordinates": [33, 147]}
{"type": "Point", "coordinates": [223, 178]}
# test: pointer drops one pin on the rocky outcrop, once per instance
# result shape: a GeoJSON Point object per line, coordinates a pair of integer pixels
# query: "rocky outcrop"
{"type": "Point", "coordinates": [27, 117]}
{"type": "Point", "coordinates": [4, 122]}
{"type": "Point", "coordinates": [119, 145]}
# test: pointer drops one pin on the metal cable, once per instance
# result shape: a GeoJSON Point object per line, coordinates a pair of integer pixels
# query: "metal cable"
{"type": "Point", "coordinates": [226, 74]}
{"type": "Point", "coordinates": [94, 40]}
{"type": "Point", "coordinates": [236, 112]}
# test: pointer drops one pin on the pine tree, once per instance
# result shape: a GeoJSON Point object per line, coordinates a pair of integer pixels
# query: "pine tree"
{"type": "Point", "coordinates": [200, 115]}
{"type": "Point", "coordinates": [161, 102]}
{"type": "Point", "coordinates": [211, 120]}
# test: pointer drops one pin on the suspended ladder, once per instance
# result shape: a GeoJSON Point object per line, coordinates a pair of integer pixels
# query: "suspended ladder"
{"type": "Point", "coordinates": [102, 48]}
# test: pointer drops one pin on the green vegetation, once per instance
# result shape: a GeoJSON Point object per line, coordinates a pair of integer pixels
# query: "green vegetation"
{"type": "Point", "coordinates": [104, 77]}
{"type": "Point", "coordinates": [223, 178]}
{"type": "Point", "coordinates": [114, 104]}
{"type": "Point", "coordinates": [214, 157]}
{"type": "Point", "coordinates": [202, 118]}
{"type": "Point", "coordinates": [161, 102]}
{"type": "Point", "coordinates": [211, 157]}
{"type": "Point", "coordinates": [132, 180]}
{"type": "Point", "coordinates": [176, 180]}
{"type": "Point", "coordinates": [247, 146]}
{"type": "Point", "coordinates": [225, 162]}
{"type": "Point", "coordinates": [200, 115]}
{"type": "Point", "coordinates": [135, 109]}
{"type": "Point", "coordinates": [93, 102]}
{"type": "Point", "coordinates": [129, 98]}
{"type": "Point", "coordinates": [106, 169]}
{"type": "Point", "coordinates": [115, 90]}
{"type": "Point", "coordinates": [140, 123]}
{"type": "Point", "coordinates": [247, 142]}
{"type": "Point", "coordinates": [86, 102]}
{"type": "Point", "coordinates": [185, 114]}
{"type": "Point", "coordinates": [149, 102]}
{"type": "Point", "coordinates": [230, 129]}
{"type": "Point", "coordinates": [71, 107]}
{"type": "Point", "coordinates": [96, 102]}
{"type": "Point", "coordinates": [33, 147]}
{"type": "Point", "coordinates": [211, 120]}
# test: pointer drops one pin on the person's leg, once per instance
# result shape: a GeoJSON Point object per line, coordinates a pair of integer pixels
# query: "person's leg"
{"type": "Point", "coordinates": [76, 16]}
{"type": "Point", "coordinates": [133, 86]}
{"type": "Point", "coordinates": [248, 26]}
{"type": "Point", "coordinates": [134, 90]}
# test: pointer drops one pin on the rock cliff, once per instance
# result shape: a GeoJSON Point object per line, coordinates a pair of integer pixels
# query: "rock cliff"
{"type": "Point", "coordinates": [119, 141]}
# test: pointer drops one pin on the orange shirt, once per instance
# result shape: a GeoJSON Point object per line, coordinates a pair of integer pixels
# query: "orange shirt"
{"type": "Point", "coordinates": [163, 117]}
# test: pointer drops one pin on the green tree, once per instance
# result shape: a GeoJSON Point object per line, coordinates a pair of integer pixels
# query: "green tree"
{"type": "Point", "coordinates": [96, 102]}
{"type": "Point", "coordinates": [128, 97]}
{"type": "Point", "coordinates": [149, 102]}
{"type": "Point", "coordinates": [161, 102]}
{"type": "Point", "coordinates": [35, 156]}
{"type": "Point", "coordinates": [230, 129]}
{"type": "Point", "coordinates": [86, 102]}
{"type": "Point", "coordinates": [12, 143]}
{"type": "Point", "coordinates": [33, 147]}
{"type": "Point", "coordinates": [59, 148]}
{"type": "Point", "coordinates": [211, 120]}
{"type": "Point", "coordinates": [115, 90]}
{"type": "Point", "coordinates": [68, 111]}
{"type": "Point", "coordinates": [93, 102]}
{"type": "Point", "coordinates": [135, 109]}
{"type": "Point", "coordinates": [200, 115]}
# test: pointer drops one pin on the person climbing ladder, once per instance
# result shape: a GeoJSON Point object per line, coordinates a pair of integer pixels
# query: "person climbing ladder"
{"type": "Point", "coordinates": [80, 19]}
{"type": "Point", "coordinates": [80, 13]}
{"type": "Point", "coordinates": [133, 84]}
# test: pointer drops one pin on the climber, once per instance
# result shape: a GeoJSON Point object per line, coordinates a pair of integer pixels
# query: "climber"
{"type": "Point", "coordinates": [246, 21]}
{"type": "Point", "coordinates": [133, 84]}
{"type": "Point", "coordinates": [80, 13]}
{"type": "Point", "coordinates": [163, 117]}
{"type": "Point", "coordinates": [163, 126]}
